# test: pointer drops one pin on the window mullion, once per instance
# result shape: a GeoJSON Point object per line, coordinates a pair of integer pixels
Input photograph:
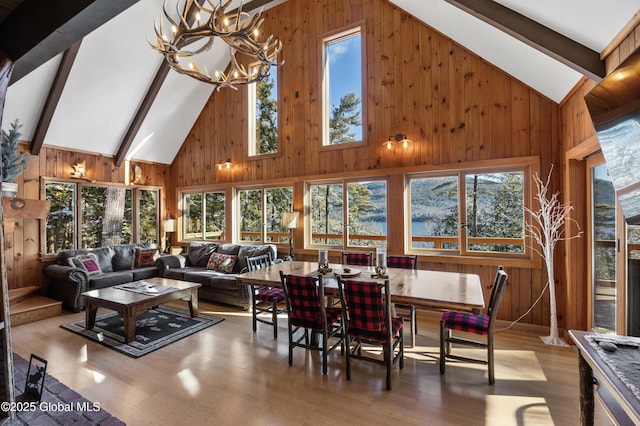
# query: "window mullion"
{"type": "Point", "coordinates": [345, 215]}
{"type": "Point", "coordinates": [463, 226]}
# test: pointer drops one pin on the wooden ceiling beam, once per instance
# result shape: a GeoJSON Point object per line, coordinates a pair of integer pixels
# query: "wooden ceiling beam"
{"type": "Point", "coordinates": [536, 35]}
{"type": "Point", "coordinates": [38, 30]}
{"type": "Point", "coordinates": [50, 105]}
{"type": "Point", "coordinates": [151, 94]}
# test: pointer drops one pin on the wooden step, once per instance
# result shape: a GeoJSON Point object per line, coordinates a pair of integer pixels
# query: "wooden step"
{"type": "Point", "coordinates": [17, 295]}
{"type": "Point", "coordinates": [33, 309]}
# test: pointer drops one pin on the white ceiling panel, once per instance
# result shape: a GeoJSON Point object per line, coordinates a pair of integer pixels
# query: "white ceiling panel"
{"type": "Point", "coordinates": [592, 23]}
{"type": "Point", "coordinates": [26, 98]}
{"type": "Point", "coordinates": [112, 72]}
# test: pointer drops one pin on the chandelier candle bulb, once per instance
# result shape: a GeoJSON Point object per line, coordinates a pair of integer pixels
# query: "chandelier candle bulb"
{"type": "Point", "coordinates": [238, 29]}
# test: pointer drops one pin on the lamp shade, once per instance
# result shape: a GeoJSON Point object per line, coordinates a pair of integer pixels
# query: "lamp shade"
{"type": "Point", "coordinates": [290, 219]}
{"type": "Point", "coordinates": [169, 225]}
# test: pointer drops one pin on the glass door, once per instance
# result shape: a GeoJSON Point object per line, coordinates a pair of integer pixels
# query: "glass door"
{"type": "Point", "coordinates": [605, 248]}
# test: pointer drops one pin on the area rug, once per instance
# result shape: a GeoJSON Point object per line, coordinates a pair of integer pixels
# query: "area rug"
{"type": "Point", "coordinates": [155, 329]}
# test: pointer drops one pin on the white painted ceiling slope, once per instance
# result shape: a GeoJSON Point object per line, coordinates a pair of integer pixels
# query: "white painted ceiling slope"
{"type": "Point", "coordinates": [115, 66]}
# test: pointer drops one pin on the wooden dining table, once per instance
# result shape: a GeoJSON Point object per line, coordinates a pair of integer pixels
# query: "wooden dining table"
{"type": "Point", "coordinates": [424, 289]}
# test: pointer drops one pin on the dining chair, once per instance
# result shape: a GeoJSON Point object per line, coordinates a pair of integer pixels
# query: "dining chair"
{"type": "Point", "coordinates": [357, 258]}
{"type": "Point", "coordinates": [307, 312]}
{"type": "Point", "coordinates": [367, 319]}
{"type": "Point", "coordinates": [404, 311]}
{"type": "Point", "coordinates": [265, 299]}
{"type": "Point", "coordinates": [482, 324]}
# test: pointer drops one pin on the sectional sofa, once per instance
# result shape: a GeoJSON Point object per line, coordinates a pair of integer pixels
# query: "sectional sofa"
{"type": "Point", "coordinates": [215, 266]}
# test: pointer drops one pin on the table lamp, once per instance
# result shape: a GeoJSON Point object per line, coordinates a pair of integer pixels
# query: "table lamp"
{"type": "Point", "coordinates": [290, 221]}
{"type": "Point", "coordinates": [169, 226]}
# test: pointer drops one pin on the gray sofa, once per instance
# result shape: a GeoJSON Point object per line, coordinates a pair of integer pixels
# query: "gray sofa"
{"type": "Point", "coordinates": [216, 286]}
{"type": "Point", "coordinates": [117, 265]}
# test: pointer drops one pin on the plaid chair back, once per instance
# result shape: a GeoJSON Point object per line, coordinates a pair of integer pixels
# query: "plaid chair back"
{"type": "Point", "coordinates": [402, 262]}
{"type": "Point", "coordinates": [366, 305]}
{"type": "Point", "coordinates": [479, 324]}
{"type": "Point", "coordinates": [303, 299]}
{"type": "Point", "coordinates": [358, 259]}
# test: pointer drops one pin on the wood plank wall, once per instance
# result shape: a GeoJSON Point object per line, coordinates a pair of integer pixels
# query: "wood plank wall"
{"type": "Point", "coordinates": [456, 107]}
{"type": "Point", "coordinates": [24, 260]}
{"type": "Point", "coordinates": [578, 136]}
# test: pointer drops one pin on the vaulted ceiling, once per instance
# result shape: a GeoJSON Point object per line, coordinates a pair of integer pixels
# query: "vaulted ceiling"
{"type": "Point", "coordinates": [110, 93]}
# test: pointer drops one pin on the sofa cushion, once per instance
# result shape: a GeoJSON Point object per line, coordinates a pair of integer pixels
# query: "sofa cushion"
{"type": "Point", "coordinates": [88, 262]}
{"type": "Point", "coordinates": [213, 279]}
{"type": "Point", "coordinates": [221, 262]}
{"type": "Point", "coordinates": [199, 253]}
{"type": "Point", "coordinates": [123, 257]}
{"type": "Point", "coordinates": [144, 273]}
{"type": "Point", "coordinates": [145, 257]}
{"type": "Point", "coordinates": [110, 279]}
{"type": "Point", "coordinates": [228, 248]}
{"type": "Point", "coordinates": [251, 251]}
{"type": "Point", "coordinates": [104, 255]}
{"type": "Point", "coordinates": [175, 273]}
{"type": "Point", "coordinates": [64, 255]}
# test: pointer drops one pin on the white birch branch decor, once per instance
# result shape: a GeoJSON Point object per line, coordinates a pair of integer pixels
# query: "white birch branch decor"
{"type": "Point", "coordinates": [548, 226]}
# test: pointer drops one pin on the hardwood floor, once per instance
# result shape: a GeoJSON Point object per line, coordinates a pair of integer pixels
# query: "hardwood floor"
{"type": "Point", "coordinates": [227, 375]}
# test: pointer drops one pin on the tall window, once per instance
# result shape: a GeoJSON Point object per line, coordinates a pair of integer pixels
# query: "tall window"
{"type": "Point", "coordinates": [89, 215]}
{"type": "Point", "coordinates": [148, 208]}
{"type": "Point", "coordinates": [263, 115]}
{"type": "Point", "coordinates": [362, 203]}
{"type": "Point", "coordinates": [468, 212]}
{"type": "Point", "coordinates": [203, 215]}
{"type": "Point", "coordinates": [260, 214]}
{"type": "Point", "coordinates": [61, 222]}
{"type": "Point", "coordinates": [342, 88]}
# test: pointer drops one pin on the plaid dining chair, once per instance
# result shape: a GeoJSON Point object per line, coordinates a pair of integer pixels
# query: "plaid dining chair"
{"type": "Point", "coordinates": [357, 258]}
{"type": "Point", "coordinates": [265, 299]}
{"type": "Point", "coordinates": [305, 300]}
{"type": "Point", "coordinates": [367, 319]}
{"type": "Point", "coordinates": [481, 325]}
{"type": "Point", "coordinates": [404, 311]}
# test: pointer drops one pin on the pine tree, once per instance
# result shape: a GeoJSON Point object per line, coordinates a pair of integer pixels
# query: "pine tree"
{"type": "Point", "coordinates": [344, 116]}
{"type": "Point", "coordinates": [267, 117]}
{"type": "Point", "coordinates": [12, 163]}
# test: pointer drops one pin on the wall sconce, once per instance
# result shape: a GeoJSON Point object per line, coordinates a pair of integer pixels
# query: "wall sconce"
{"type": "Point", "coordinates": [224, 164]}
{"type": "Point", "coordinates": [79, 170]}
{"type": "Point", "coordinates": [290, 220]}
{"type": "Point", "coordinates": [400, 139]}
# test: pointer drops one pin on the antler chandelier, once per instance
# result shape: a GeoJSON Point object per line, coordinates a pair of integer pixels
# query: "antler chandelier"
{"type": "Point", "coordinates": [194, 34]}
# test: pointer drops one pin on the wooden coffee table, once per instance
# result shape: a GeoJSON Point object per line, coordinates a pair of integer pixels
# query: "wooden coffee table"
{"type": "Point", "coordinates": [131, 304]}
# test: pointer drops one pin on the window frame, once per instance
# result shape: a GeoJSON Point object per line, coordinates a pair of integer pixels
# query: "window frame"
{"type": "Point", "coordinates": [252, 116]}
{"type": "Point", "coordinates": [345, 236]}
{"type": "Point", "coordinates": [182, 207]}
{"type": "Point", "coordinates": [526, 168]}
{"type": "Point", "coordinates": [323, 78]}
{"type": "Point", "coordinates": [263, 225]}
{"type": "Point", "coordinates": [77, 209]}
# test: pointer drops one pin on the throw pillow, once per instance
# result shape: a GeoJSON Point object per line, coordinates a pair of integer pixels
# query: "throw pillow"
{"type": "Point", "coordinates": [221, 262]}
{"type": "Point", "coordinates": [145, 257]}
{"type": "Point", "coordinates": [88, 262]}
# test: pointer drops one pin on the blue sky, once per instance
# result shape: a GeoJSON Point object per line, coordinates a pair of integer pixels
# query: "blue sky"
{"type": "Point", "coordinates": [345, 71]}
